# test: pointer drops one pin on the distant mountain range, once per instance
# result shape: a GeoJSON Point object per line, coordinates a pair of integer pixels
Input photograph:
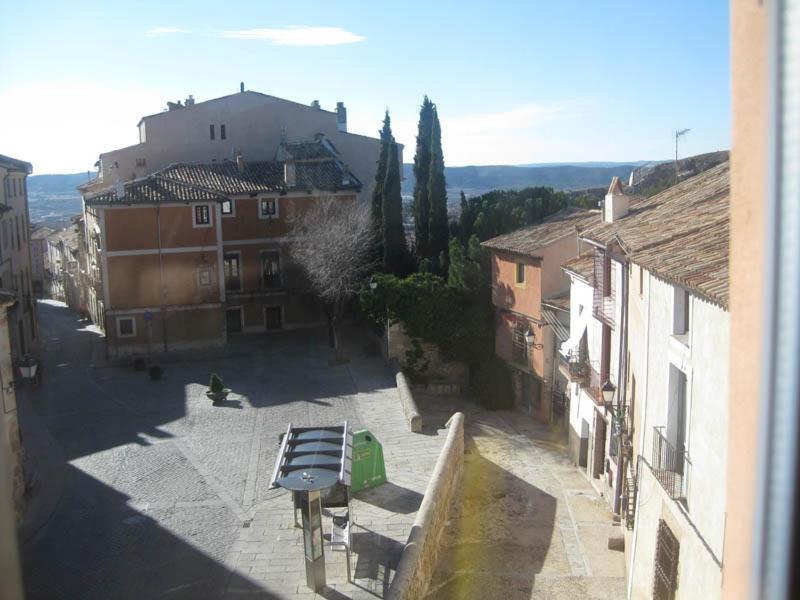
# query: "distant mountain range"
{"type": "Point", "coordinates": [53, 199]}
{"type": "Point", "coordinates": [477, 180]}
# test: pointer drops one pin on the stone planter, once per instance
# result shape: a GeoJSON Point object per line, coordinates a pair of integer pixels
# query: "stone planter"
{"type": "Point", "coordinates": [218, 397]}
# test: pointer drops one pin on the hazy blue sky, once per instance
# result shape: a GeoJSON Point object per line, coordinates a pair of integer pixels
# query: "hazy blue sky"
{"type": "Point", "coordinates": [515, 82]}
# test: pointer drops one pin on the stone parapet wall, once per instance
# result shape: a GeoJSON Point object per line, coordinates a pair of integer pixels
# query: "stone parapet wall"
{"type": "Point", "coordinates": [439, 370]}
{"type": "Point", "coordinates": [410, 410]}
{"type": "Point", "coordinates": [421, 552]}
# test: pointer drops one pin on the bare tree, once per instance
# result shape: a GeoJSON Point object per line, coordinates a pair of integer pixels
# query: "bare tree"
{"type": "Point", "coordinates": [333, 243]}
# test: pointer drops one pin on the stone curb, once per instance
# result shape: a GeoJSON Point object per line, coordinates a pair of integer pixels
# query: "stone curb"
{"type": "Point", "coordinates": [418, 559]}
{"type": "Point", "coordinates": [413, 418]}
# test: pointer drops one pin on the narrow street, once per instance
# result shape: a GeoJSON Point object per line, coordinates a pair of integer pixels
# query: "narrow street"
{"type": "Point", "coordinates": [530, 525]}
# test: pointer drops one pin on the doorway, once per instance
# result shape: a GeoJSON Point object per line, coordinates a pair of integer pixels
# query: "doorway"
{"type": "Point", "coordinates": [273, 316]}
{"type": "Point", "coordinates": [233, 320]}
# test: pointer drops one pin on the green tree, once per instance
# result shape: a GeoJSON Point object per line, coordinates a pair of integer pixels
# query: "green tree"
{"type": "Point", "coordinates": [394, 245]}
{"type": "Point", "coordinates": [422, 162]}
{"type": "Point", "coordinates": [464, 219]}
{"type": "Point", "coordinates": [437, 194]}
{"type": "Point", "coordinates": [380, 176]}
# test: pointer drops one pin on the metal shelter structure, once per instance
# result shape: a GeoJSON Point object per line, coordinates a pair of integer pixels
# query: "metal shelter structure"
{"type": "Point", "coordinates": [314, 463]}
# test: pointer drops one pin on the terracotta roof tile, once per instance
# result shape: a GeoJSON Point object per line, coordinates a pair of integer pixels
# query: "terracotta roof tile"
{"type": "Point", "coordinates": [528, 240]}
{"type": "Point", "coordinates": [582, 266]}
{"type": "Point", "coordinates": [681, 235]}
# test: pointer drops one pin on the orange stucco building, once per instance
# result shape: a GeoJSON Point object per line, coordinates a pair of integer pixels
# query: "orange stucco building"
{"type": "Point", "coordinates": [531, 297]}
{"type": "Point", "coordinates": [194, 253]}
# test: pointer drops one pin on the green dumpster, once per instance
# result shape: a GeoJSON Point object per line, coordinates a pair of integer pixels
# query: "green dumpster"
{"type": "Point", "coordinates": [367, 467]}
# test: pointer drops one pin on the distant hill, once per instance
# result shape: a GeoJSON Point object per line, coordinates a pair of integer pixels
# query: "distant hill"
{"type": "Point", "coordinates": [53, 199]}
{"type": "Point", "coordinates": [650, 179]}
{"type": "Point", "coordinates": [481, 179]}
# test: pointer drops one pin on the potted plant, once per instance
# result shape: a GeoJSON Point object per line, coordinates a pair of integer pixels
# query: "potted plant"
{"type": "Point", "coordinates": [217, 391]}
{"type": "Point", "coordinates": [156, 372]}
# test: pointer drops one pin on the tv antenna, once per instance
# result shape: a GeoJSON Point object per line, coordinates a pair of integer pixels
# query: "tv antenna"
{"type": "Point", "coordinates": [678, 134]}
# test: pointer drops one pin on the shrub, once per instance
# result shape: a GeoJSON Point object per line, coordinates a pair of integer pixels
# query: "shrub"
{"type": "Point", "coordinates": [156, 372]}
{"type": "Point", "coordinates": [215, 384]}
{"type": "Point", "coordinates": [492, 385]}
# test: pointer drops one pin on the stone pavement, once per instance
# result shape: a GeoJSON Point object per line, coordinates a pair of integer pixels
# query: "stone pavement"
{"type": "Point", "coordinates": [531, 525]}
{"type": "Point", "coordinates": [163, 495]}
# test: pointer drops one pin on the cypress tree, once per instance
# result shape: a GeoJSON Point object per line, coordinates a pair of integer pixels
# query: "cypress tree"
{"type": "Point", "coordinates": [437, 194]}
{"type": "Point", "coordinates": [422, 162]}
{"type": "Point", "coordinates": [394, 244]}
{"type": "Point", "coordinates": [464, 225]}
{"type": "Point", "coordinates": [380, 177]}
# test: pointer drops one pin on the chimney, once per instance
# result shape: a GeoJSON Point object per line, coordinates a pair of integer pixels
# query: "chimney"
{"type": "Point", "coordinates": [616, 203]}
{"type": "Point", "coordinates": [289, 173]}
{"type": "Point", "coordinates": [315, 104]}
{"type": "Point", "coordinates": [240, 164]}
{"type": "Point", "coordinates": [241, 87]}
{"type": "Point", "coordinates": [190, 100]}
{"type": "Point", "coordinates": [341, 117]}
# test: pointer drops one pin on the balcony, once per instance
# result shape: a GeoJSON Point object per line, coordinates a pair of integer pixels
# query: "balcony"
{"type": "Point", "coordinates": [668, 464]}
{"type": "Point", "coordinates": [574, 366]}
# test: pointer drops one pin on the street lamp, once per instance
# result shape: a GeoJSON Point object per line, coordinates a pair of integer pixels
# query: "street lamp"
{"type": "Point", "coordinates": [608, 390]}
{"type": "Point", "coordinates": [27, 367]}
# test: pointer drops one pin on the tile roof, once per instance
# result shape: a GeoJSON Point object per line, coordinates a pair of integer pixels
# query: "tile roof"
{"type": "Point", "coordinates": [15, 163]}
{"type": "Point", "coordinates": [189, 182]}
{"type": "Point", "coordinates": [529, 239]}
{"type": "Point", "coordinates": [154, 189]}
{"type": "Point", "coordinates": [680, 235]}
{"type": "Point", "coordinates": [582, 266]}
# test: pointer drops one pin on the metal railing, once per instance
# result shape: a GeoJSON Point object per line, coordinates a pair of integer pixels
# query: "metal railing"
{"type": "Point", "coordinates": [667, 464]}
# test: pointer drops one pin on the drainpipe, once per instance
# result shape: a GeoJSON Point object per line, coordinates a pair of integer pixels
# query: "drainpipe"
{"type": "Point", "coordinates": [622, 379]}
{"type": "Point", "coordinates": [161, 279]}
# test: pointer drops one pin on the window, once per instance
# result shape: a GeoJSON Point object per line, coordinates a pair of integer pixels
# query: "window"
{"type": "Point", "coordinates": [665, 573]}
{"type": "Point", "coordinates": [677, 416]}
{"type": "Point", "coordinates": [271, 267]}
{"type": "Point", "coordinates": [202, 215]}
{"type": "Point", "coordinates": [520, 273]}
{"type": "Point", "coordinates": [519, 347]}
{"type": "Point", "coordinates": [268, 208]}
{"type": "Point", "coordinates": [19, 244]}
{"type": "Point", "coordinates": [227, 207]}
{"type": "Point", "coordinates": [126, 327]}
{"type": "Point", "coordinates": [233, 275]}
{"type": "Point", "coordinates": [681, 312]}
{"type": "Point", "coordinates": [222, 132]}
{"type": "Point", "coordinates": [211, 131]}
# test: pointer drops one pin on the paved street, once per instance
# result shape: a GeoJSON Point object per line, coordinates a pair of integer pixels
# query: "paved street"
{"type": "Point", "coordinates": [531, 525]}
{"type": "Point", "coordinates": [158, 494]}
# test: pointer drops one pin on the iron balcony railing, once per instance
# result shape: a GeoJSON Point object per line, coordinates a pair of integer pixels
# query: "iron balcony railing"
{"type": "Point", "coordinates": [577, 363]}
{"type": "Point", "coordinates": [629, 500]}
{"type": "Point", "coordinates": [668, 464]}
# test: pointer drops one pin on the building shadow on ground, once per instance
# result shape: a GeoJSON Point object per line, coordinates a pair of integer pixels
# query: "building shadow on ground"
{"type": "Point", "coordinates": [392, 497]}
{"type": "Point", "coordinates": [501, 538]}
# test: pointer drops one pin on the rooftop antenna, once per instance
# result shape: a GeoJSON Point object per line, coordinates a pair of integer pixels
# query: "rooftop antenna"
{"type": "Point", "coordinates": [678, 134]}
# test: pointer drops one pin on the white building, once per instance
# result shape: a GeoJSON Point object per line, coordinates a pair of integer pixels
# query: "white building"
{"type": "Point", "coordinates": [249, 123]}
{"type": "Point", "coordinates": [15, 256]}
{"type": "Point", "coordinates": [669, 260]}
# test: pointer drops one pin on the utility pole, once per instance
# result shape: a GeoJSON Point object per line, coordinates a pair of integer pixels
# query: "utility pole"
{"type": "Point", "coordinates": [678, 133]}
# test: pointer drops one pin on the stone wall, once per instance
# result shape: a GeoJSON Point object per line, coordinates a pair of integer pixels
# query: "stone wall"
{"type": "Point", "coordinates": [439, 371]}
{"type": "Point", "coordinates": [421, 552]}
{"type": "Point", "coordinates": [410, 410]}
{"type": "Point", "coordinates": [8, 415]}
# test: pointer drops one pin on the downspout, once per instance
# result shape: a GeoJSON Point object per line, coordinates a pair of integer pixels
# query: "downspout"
{"type": "Point", "coordinates": [161, 279]}
{"type": "Point", "coordinates": [641, 438]}
{"type": "Point", "coordinates": [622, 379]}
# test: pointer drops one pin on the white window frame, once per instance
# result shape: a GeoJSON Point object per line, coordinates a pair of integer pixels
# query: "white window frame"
{"type": "Point", "coordinates": [119, 320]}
{"type": "Point", "coordinates": [264, 217]}
{"type": "Point", "coordinates": [233, 208]}
{"type": "Point", "coordinates": [197, 225]}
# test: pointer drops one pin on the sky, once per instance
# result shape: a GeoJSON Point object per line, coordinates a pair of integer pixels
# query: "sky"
{"type": "Point", "coordinates": [514, 82]}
